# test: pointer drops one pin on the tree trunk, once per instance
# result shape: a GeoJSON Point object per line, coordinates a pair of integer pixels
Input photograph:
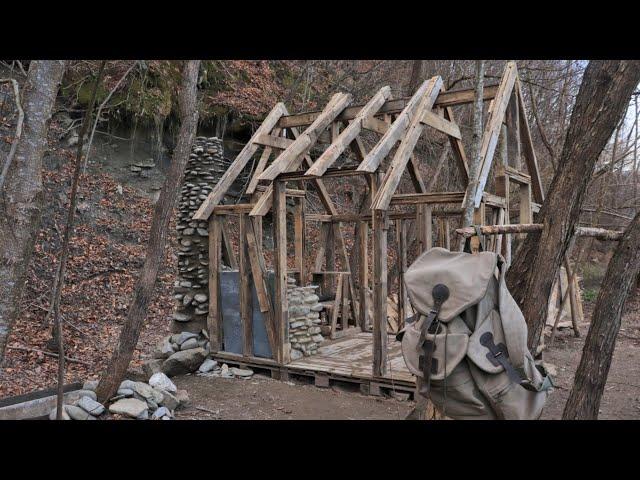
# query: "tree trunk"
{"type": "Point", "coordinates": [143, 291]}
{"type": "Point", "coordinates": [604, 93]}
{"type": "Point", "coordinates": [476, 142]}
{"type": "Point", "coordinates": [591, 376]}
{"type": "Point", "coordinates": [22, 196]}
{"type": "Point", "coordinates": [417, 67]}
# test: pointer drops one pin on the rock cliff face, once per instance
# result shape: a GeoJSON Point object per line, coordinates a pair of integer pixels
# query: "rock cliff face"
{"type": "Point", "coordinates": [206, 166]}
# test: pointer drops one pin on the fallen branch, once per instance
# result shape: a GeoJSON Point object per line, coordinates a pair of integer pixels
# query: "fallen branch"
{"type": "Point", "coordinates": [16, 138]}
{"type": "Point", "coordinates": [50, 354]}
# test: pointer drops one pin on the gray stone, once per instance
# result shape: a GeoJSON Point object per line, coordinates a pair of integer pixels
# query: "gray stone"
{"type": "Point", "coordinates": [241, 372]}
{"type": "Point", "coordinates": [189, 344]}
{"type": "Point", "coordinates": [150, 367]}
{"type": "Point", "coordinates": [161, 412]}
{"type": "Point", "coordinates": [130, 407]}
{"type": "Point", "coordinates": [180, 338]}
{"type": "Point", "coordinates": [296, 354]}
{"type": "Point", "coordinates": [312, 299]}
{"type": "Point", "coordinates": [90, 385]}
{"type": "Point", "coordinates": [181, 317]}
{"type": "Point", "coordinates": [182, 362]}
{"type": "Point", "coordinates": [317, 307]}
{"type": "Point", "coordinates": [201, 298]}
{"type": "Point", "coordinates": [65, 415]}
{"type": "Point", "coordinates": [317, 338]}
{"type": "Point", "coordinates": [162, 382]}
{"type": "Point", "coordinates": [91, 406]}
{"type": "Point", "coordinates": [125, 392]}
{"type": "Point", "coordinates": [207, 365]}
{"type": "Point", "coordinates": [169, 400]}
{"type": "Point", "coordinates": [87, 393]}
{"type": "Point", "coordinates": [183, 397]}
{"type": "Point", "coordinates": [76, 413]}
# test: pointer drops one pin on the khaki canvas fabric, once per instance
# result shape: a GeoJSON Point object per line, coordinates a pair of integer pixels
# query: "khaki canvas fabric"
{"type": "Point", "coordinates": [465, 383]}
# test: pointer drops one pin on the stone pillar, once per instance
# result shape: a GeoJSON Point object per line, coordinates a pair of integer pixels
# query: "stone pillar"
{"type": "Point", "coordinates": [206, 165]}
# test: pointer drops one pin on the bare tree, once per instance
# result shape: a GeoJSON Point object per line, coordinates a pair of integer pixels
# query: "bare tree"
{"type": "Point", "coordinates": [58, 282]}
{"type": "Point", "coordinates": [476, 142]}
{"type": "Point", "coordinates": [155, 251]}
{"type": "Point", "coordinates": [590, 379]}
{"type": "Point", "coordinates": [603, 96]}
{"type": "Point", "coordinates": [22, 195]}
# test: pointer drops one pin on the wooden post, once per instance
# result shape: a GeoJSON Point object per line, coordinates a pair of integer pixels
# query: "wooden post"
{"type": "Point", "coordinates": [364, 274]}
{"type": "Point", "coordinates": [280, 263]}
{"type": "Point", "coordinates": [246, 297]}
{"type": "Point", "coordinates": [330, 256]}
{"type": "Point", "coordinates": [428, 226]}
{"type": "Point", "coordinates": [380, 228]}
{"type": "Point", "coordinates": [214, 319]}
{"type": "Point", "coordinates": [526, 215]}
{"type": "Point", "coordinates": [298, 225]}
{"type": "Point", "coordinates": [401, 230]}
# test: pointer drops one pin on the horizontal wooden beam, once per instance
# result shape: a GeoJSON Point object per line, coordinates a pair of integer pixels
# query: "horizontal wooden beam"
{"type": "Point", "coordinates": [445, 99]}
{"type": "Point", "coordinates": [434, 120]}
{"type": "Point", "coordinates": [419, 198]}
{"type": "Point", "coordinates": [330, 172]}
{"type": "Point", "coordinates": [272, 141]}
{"type": "Point", "coordinates": [599, 233]}
{"type": "Point", "coordinates": [517, 176]}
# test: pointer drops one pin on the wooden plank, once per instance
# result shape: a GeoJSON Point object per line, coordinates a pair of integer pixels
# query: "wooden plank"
{"type": "Point", "coordinates": [287, 160]}
{"type": "Point", "coordinates": [336, 307]}
{"type": "Point", "coordinates": [517, 176]}
{"type": "Point", "coordinates": [298, 229]}
{"type": "Point", "coordinates": [492, 130]}
{"type": "Point", "coordinates": [448, 99]}
{"type": "Point", "coordinates": [526, 215]}
{"type": "Point", "coordinates": [528, 150]}
{"type": "Point", "coordinates": [280, 266]}
{"type": "Point", "coordinates": [404, 151]}
{"type": "Point", "coordinates": [227, 179]}
{"type": "Point", "coordinates": [400, 125]}
{"type": "Point", "coordinates": [458, 149]}
{"type": "Point", "coordinates": [258, 273]}
{"type": "Point", "coordinates": [325, 231]}
{"type": "Point", "coordinates": [349, 134]}
{"type": "Point", "coordinates": [417, 198]}
{"type": "Point", "coordinates": [246, 297]}
{"type": "Point", "coordinates": [445, 126]}
{"type": "Point", "coordinates": [232, 209]}
{"type": "Point", "coordinates": [214, 318]}
{"type": "Point", "coordinates": [380, 228]}
{"type": "Point", "coordinates": [262, 163]}
{"type": "Point", "coordinates": [376, 125]}
{"type": "Point", "coordinates": [513, 132]}
{"type": "Point", "coordinates": [428, 227]}
{"type": "Point", "coordinates": [363, 274]}
{"type": "Point", "coordinates": [281, 143]}
{"type": "Point", "coordinates": [227, 248]}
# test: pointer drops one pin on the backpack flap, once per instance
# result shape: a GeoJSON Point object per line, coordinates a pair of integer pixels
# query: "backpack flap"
{"type": "Point", "coordinates": [467, 277]}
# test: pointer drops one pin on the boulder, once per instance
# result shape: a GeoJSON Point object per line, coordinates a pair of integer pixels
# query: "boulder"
{"type": "Point", "coordinates": [161, 381]}
{"type": "Point", "coordinates": [90, 385]}
{"type": "Point", "coordinates": [189, 344]}
{"type": "Point", "coordinates": [169, 400]}
{"type": "Point", "coordinates": [65, 415]}
{"type": "Point", "coordinates": [180, 338]}
{"type": "Point", "coordinates": [151, 367]}
{"type": "Point", "coordinates": [77, 413]}
{"type": "Point", "coordinates": [241, 372]}
{"type": "Point", "coordinates": [130, 407]}
{"type": "Point", "coordinates": [183, 397]}
{"type": "Point", "coordinates": [87, 393]}
{"type": "Point", "coordinates": [185, 361]}
{"type": "Point", "coordinates": [161, 412]}
{"type": "Point", "coordinates": [90, 406]}
{"type": "Point", "coordinates": [207, 366]}
{"type": "Point", "coordinates": [125, 392]}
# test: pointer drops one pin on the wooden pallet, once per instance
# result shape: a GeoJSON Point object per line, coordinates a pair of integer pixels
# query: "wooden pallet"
{"type": "Point", "coordinates": [344, 360]}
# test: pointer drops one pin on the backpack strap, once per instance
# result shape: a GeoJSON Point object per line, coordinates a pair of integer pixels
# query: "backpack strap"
{"type": "Point", "coordinates": [467, 241]}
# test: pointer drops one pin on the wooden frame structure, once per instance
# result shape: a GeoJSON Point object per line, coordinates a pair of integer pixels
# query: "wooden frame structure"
{"type": "Point", "coordinates": [289, 140]}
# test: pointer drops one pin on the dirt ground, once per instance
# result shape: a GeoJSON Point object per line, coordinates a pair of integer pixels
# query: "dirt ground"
{"type": "Point", "coordinates": [262, 398]}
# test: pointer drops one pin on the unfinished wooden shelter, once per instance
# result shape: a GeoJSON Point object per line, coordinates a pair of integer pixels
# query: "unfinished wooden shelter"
{"type": "Point", "coordinates": [359, 347]}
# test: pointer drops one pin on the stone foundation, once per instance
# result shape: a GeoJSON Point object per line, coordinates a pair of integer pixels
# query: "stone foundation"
{"type": "Point", "coordinates": [304, 319]}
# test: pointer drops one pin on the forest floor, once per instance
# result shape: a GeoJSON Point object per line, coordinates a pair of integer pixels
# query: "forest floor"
{"type": "Point", "coordinates": [108, 246]}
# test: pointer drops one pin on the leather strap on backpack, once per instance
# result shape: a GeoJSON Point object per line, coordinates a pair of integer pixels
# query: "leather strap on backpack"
{"type": "Point", "coordinates": [426, 347]}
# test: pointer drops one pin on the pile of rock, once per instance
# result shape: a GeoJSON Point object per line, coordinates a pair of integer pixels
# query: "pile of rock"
{"type": "Point", "coordinates": [205, 167]}
{"type": "Point", "coordinates": [138, 399]}
{"type": "Point", "coordinates": [85, 408]}
{"type": "Point", "coordinates": [179, 353]}
{"type": "Point", "coordinates": [160, 397]}
{"type": "Point", "coordinates": [211, 368]}
{"type": "Point", "coordinates": [304, 319]}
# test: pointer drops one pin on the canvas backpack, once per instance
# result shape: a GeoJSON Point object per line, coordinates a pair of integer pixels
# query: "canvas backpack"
{"type": "Point", "coordinates": [467, 344]}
